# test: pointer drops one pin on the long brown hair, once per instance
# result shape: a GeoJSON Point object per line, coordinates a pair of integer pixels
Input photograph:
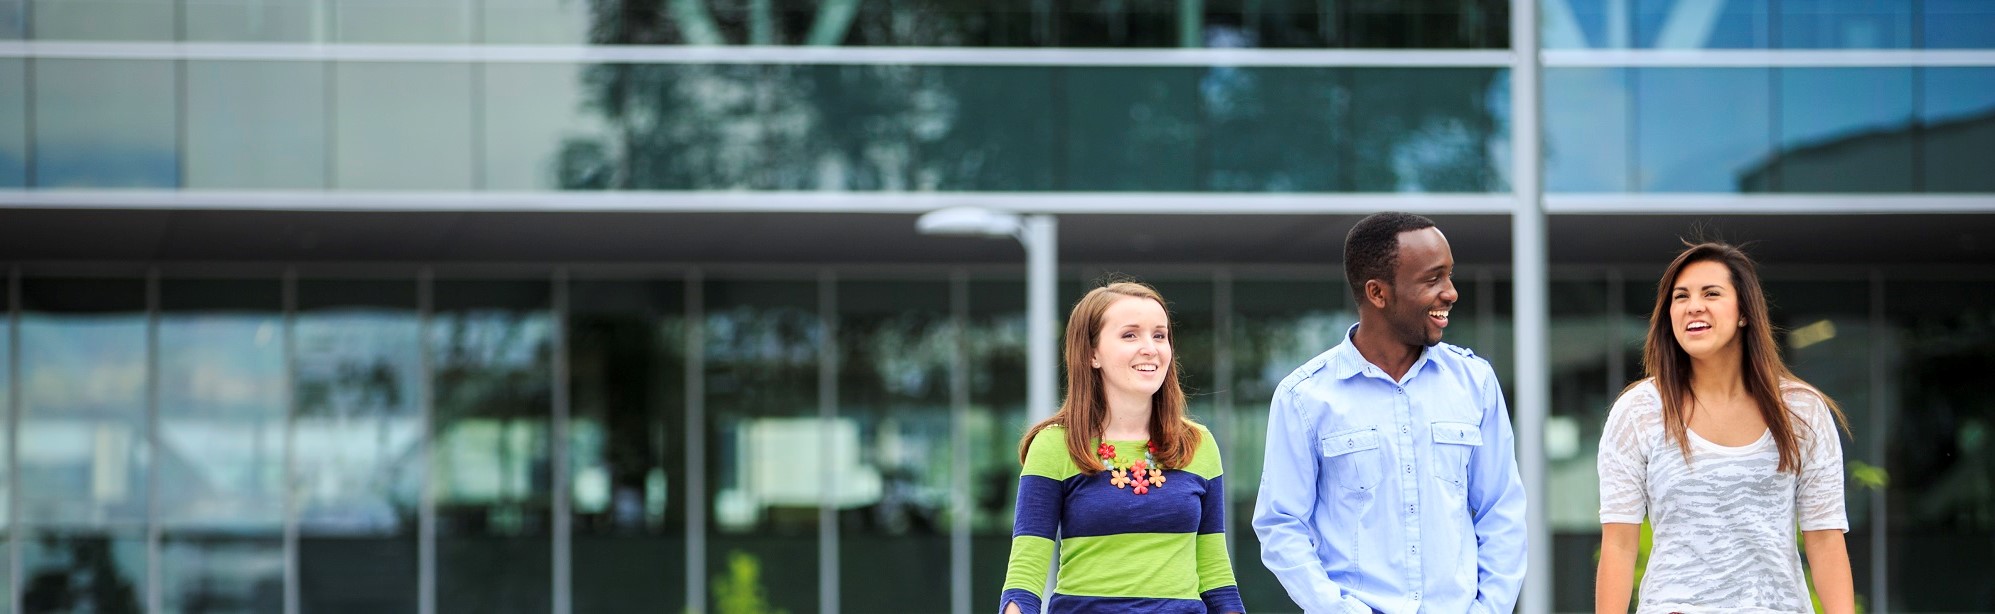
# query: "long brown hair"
{"type": "Point", "coordinates": [1085, 412]}
{"type": "Point", "coordinates": [1765, 374]}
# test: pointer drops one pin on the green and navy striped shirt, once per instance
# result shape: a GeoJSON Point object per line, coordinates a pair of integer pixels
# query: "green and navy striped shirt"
{"type": "Point", "coordinates": [1164, 551]}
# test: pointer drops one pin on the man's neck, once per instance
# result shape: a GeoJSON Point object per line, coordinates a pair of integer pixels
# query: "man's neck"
{"type": "Point", "coordinates": [1375, 343]}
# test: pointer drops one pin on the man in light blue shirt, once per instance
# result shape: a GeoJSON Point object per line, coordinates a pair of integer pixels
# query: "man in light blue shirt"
{"type": "Point", "coordinates": [1391, 482]}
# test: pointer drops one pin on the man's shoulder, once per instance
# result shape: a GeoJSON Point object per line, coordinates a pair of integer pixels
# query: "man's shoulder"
{"type": "Point", "coordinates": [1310, 369]}
{"type": "Point", "coordinates": [1458, 356]}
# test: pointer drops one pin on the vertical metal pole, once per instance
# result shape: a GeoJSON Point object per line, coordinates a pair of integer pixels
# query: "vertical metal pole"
{"type": "Point", "coordinates": [426, 400]}
{"type": "Point", "coordinates": [1040, 235]}
{"type": "Point", "coordinates": [1882, 397]}
{"type": "Point", "coordinates": [1528, 260]}
{"type": "Point", "coordinates": [828, 452]}
{"type": "Point", "coordinates": [153, 532]}
{"type": "Point", "coordinates": [1191, 23]}
{"type": "Point", "coordinates": [1041, 238]}
{"type": "Point", "coordinates": [696, 444]}
{"type": "Point", "coordinates": [563, 540]}
{"type": "Point", "coordinates": [289, 489]}
{"type": "Point", "coordinates": [959, 441]}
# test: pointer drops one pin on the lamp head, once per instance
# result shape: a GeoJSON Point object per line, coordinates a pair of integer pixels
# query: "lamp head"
{"type": "Point", "coordinates": [968, 222]}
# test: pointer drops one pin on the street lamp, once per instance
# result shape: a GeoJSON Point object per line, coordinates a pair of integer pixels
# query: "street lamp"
{"type": "Point", "coordinates": [1039, 234]}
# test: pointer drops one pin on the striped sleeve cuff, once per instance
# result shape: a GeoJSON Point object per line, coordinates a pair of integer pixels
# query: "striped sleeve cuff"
{"type": "Point", "coordinates": [1222, 600]}
{"type": "Point", "coordinates": [1028, 603]}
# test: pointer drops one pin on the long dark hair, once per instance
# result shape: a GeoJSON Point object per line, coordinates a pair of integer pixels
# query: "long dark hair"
{"type": "Point", "coordinates": [1765, 373]}
{"type": "Point", "coordinates": [1085, 412]}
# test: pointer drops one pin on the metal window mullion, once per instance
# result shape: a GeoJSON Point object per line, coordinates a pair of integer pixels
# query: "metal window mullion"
{"type": "Point", "coordinates": [153, 534]}
{"type": "Point", "coordinates": [695, 443]}
{"type": "Point", "coordinates": [289, 490]}
{"type": "Point", "coordinates": [827, 412]}
{"type": "Point", "coordinates": [13, 439]}
{"type": "Point", "coordinates": [1880, 433]}
{"type": "Point", "coordinates": [563, 521]}
{"type": "Point", "coordinates": [1617, 308]}
{"type": "Point", "coordinates": [426, 402]}
{"type": "Point", "coordinates": [959, 438]}
{"type": "Point", "coordinates": [1223, 426]}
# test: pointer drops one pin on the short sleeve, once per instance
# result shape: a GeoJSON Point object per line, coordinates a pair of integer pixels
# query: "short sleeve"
{"type": "Point", "coordinates": [1819, 493]}
{"type": "Point", "coordinates": [1623, 459]}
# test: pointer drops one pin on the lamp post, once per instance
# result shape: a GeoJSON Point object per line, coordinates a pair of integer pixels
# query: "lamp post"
{"type": "Point", "coordinates": [1039, 234]}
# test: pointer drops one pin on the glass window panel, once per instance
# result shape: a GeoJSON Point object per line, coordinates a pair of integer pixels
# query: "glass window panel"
{"type": "Point", "coordinates": [1425, 24]}
{"type": "Point", "coordinates": [491, 345]}
{"type": "Point", "coordinates": [1430, 129]}
{"type": "Point", "coordinates": [221, 572]}
{"type": "Point", "coordinates": [1700, 129]}
{"type": "Point", "coordinates": [994, 344]}
{"type": "Point", "coordinates": [992, 130]}
{"type": "Point", "coordinates": [1131, 128]}
{"type": "Point", "coordinates": [109, 20]}
{"type": "Point", "coordinates": [1863, 143]}
{"type": "Point", "coordinates": [1941, 417]}
{"type": "Point", "coordinates": [276, 21]}
{"type": "Point", "coordinates": [628, 401]}
{"type": "Point", "coordinates": [763, 341]}
{"type": "Point", "coordinates": [222, 412]}
{"type": "Point", "coordinates": [13, 122]}
{"type": "Point", "coordinates": [1584, 24]}
{"type": "Point", "coordinates": [256, 125]}
{"type": "Point", "coordinates": [1587, 129]}
{"type": "Point", "coordinates": [1113, 23]}
{"type": "Point", "coordinates": [1844, 24]}
{"type": "Point", "coordinates": [1957, 117]}
{"type": "Point", "coordinates": [402, 126]}
{"type": "Point", "coordinates": [84, 449]}
{"type": "Point", "coordinates": [13, 19]}
{"type": "Point", "coordinates": [1582, 390]}
{"type": "Point", "coordinates": [83, 571]}
{"type": "Point", "coordinates": [892, 459]}
{"type": "Point", "coordinates": [1702, 24]}
{"type": "Point", "coordinates": [542, 130]}
{"type": "Point", "coordinates": [1278, 129]}
{"type": "Point", "coordinates": [1958, 24]}
{"type": "Point", "coordinates": [105, 124]}
{"type": "Point", "coordinates": [950, 24]}
{"type": "Point", "coordinates": [358, 464]}
{"type": "Point", "coordinates": [543, 22]}
{"type": "Point", "coordinates": [400, 21]}
{"type": "Point", "coordinates": [687, 127]}
{"type": "Point", "coordinates": [858, 132]}
{"type": "Point", "coordinates": [1270, 24]}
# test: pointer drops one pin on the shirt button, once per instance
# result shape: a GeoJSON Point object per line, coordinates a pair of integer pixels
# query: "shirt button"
{"type": "Point", "coordinates": [1409, 509]}
{"type": "Point", "coordinates": [1403, 429]}
{"type": "Point", "coordinates": [1416, 596]}
{"type": "Point", "coordinates": [1414, 549]}
{"type": "Point", "coordinates": [1409, 470]}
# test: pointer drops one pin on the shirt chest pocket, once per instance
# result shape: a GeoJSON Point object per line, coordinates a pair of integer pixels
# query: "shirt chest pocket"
{"type": "Point", "coordinates": [1352, 458]}
{"type": "Point", "coordinates": [1455, 444]}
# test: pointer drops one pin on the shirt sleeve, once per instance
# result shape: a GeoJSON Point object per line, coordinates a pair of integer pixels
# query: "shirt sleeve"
{"type": "Point", "coordinates": [1282, 510]}
{"type": "Point", "coordinates": [1819, 492]}
{"type": "Point", "coordinates": [1496, 501]}
{"type": "Point", "coordinates": [1623, 461]}
{"type": "Point", "coordinates": [1216, 585]}
{"type": "Point", "coordinates": [1036, 522]}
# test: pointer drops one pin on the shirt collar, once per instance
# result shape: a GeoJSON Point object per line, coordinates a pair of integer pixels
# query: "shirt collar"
{"type": "Point", "coordinates": [1347, 361]}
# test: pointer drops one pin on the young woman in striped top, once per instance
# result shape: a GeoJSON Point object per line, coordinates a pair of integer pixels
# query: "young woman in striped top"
{"type": "Point", "coordinates": [1128, 484]}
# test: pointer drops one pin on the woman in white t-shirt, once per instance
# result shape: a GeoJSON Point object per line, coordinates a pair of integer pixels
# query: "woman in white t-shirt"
{"type": "Point", "coordinates": [1724, 451]}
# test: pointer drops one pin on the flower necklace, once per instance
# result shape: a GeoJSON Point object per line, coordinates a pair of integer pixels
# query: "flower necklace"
{"type": "Point", "coordinates": [1143, 475]}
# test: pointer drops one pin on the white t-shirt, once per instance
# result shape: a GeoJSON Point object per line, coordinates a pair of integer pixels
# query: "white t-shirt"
{"type": "Point", "coordinates": [1724, 522]}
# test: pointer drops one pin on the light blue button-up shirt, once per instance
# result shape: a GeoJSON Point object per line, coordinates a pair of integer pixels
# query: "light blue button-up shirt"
{"type": "Point", "coordinates": [1392, 496]}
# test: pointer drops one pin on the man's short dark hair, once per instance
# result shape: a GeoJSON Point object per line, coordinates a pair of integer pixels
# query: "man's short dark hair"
{"type": "Point", "coordinates": [1371, 250]}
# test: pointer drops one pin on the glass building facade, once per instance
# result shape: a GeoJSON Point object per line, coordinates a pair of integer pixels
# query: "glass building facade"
{"type": "Point", "coordinates": [553, 306]}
